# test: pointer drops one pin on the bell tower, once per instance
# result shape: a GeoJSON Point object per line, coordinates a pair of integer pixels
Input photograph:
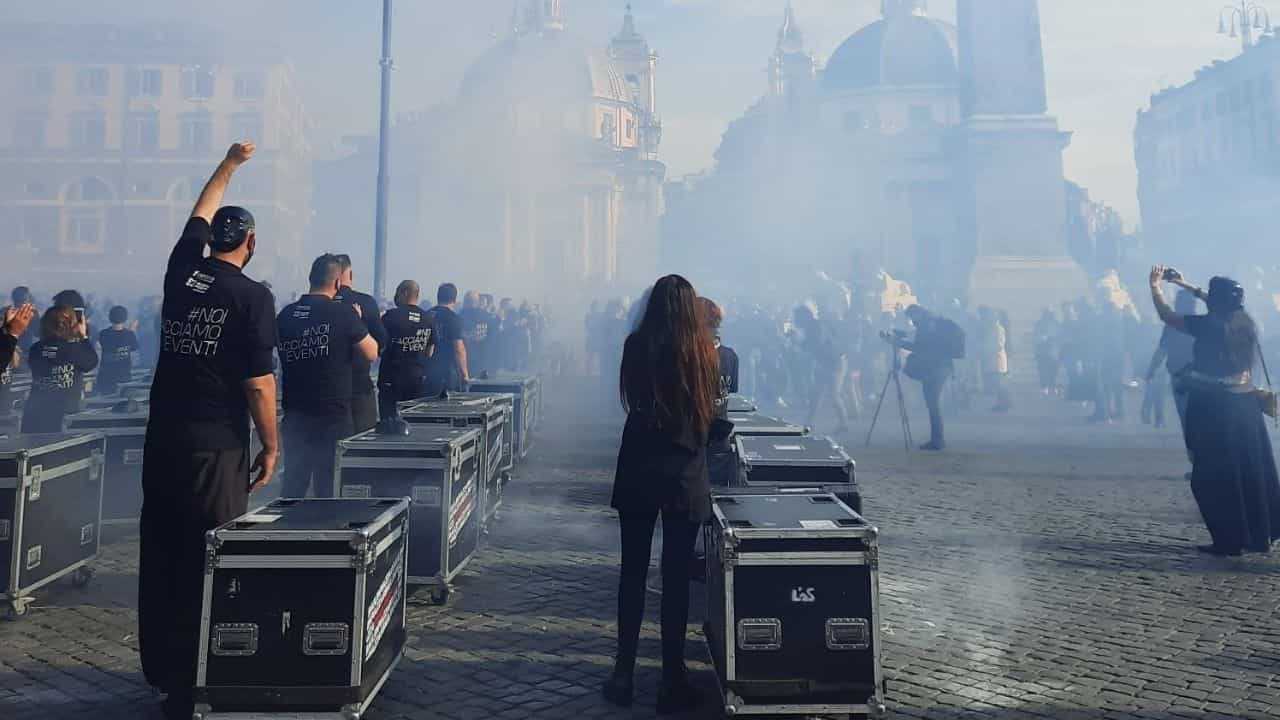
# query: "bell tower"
{"type": "Point", "coordinates": [638, 62]}
{"type": "Point", "coordinates": [792, 69]}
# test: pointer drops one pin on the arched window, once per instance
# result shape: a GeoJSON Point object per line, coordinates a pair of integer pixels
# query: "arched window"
{"type": "Point", "coordinates": [88, 190]}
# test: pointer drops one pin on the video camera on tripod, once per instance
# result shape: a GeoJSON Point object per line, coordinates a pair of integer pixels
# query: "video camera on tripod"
{"type": "Point", "coordinates": [895, 337]}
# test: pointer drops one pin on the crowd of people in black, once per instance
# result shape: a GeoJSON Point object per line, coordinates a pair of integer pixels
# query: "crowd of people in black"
{"type": "Point", "coordinates": [221, 344]}
{"type": "Point", "coordinates": [828, 357]}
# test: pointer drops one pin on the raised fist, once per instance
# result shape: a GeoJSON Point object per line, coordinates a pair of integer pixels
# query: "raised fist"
{"type": "Point", "coordinates": [240, 153]}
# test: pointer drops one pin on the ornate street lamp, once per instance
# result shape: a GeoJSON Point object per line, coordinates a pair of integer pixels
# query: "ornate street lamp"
{"type": "Point", "coordinates": [1242, 20]}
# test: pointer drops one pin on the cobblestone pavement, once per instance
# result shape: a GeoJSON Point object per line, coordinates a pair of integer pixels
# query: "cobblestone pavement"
{"type": "Point", "coordinates": [1041, 569]}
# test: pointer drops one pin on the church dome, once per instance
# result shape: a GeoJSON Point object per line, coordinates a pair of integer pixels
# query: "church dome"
{"type": "Point", "coordinates": [548, 65]}
{"type": "Point", "coordinates": [907, 49]}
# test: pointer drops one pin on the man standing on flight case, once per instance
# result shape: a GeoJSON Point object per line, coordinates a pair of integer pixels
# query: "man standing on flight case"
{"type": "Point", "coordinates": [447, 369]}
{"type": "Point", "coordinates": [214, 371]}
{"type": "Point", "coordinates": [364, 399]}
{"type": "Point", "coordinates": [320, 341]}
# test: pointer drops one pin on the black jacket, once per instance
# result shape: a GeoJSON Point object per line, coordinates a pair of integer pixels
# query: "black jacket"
{"type": "Point", "coordinates": [661, 465]}
{"type": "Point", "coordinates": [8, 344]}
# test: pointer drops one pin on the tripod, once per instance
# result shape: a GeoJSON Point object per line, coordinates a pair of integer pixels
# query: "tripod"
{"type": "Point", "coordinates": [895, 377]}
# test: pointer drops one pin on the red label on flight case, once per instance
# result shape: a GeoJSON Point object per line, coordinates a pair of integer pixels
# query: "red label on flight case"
{"type": "Point", "coordinates": [461, 511]}
{"type": "Point", "coordinates": [383, 606]}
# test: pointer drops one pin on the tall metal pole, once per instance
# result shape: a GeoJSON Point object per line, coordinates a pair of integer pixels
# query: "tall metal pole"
{"type": "Point", "coordinates": [384, 157]}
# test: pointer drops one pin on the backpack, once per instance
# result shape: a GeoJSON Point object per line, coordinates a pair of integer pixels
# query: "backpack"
{"type": "Point", "coordinates": [951, 339]}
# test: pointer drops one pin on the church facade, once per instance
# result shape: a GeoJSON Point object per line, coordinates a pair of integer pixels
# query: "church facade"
{"type": "Point", "coordinates": [544, 174]}
{"type": "Point", "coordinates": [920, 147]}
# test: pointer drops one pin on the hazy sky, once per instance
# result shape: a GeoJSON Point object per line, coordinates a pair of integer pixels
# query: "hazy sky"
{"type": "Point", "coordinates": [1104, 58]}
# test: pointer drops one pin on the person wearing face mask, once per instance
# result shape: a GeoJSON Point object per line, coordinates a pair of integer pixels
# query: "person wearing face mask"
{"type": "Point", "coordinates": [217, 338]}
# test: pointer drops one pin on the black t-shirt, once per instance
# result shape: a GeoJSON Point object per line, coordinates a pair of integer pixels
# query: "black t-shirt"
{"type": "Point", "coordinates": [1179, 350]}
{"type": "Point", "coordinates": [57, 375]}
{"type": "Point", "coordinates": [361, 379]}
{"type": "Point", "coordinates": [118, 347]}
{"type": "Point", "coordinates": [479, 329]}
{"type": "Point", "coordinates": [1210, 349]}
{"type": "Point", "coordinates": [409, 337]}
{"type": "Point", "coordinates": [8, 350]}
{"type": "Point", "coordinates": [447, 327]}
{"type": "Point", "coordinates": [318, 339]}
{"type": "Point", "coordinates": [217, 330]}
{"type": "Point", "coordinates": [728, 371]}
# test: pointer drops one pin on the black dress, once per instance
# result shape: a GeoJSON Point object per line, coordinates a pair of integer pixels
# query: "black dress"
{"type": "Point", "coordinates": [1233, 475]}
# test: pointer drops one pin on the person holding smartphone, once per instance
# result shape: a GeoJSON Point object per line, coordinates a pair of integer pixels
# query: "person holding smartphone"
{"type": "Point", "coordinates": [58, 364]}
{"type": "Point", "coordinates": [1233, 469]}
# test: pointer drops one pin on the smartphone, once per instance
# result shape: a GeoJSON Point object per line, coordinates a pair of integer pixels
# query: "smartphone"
{"type": "Point", "coordinates": [80, 315]}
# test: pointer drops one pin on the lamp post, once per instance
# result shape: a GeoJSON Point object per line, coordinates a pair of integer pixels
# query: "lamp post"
{"type": "Point", "coordinates": [1242, 20]}
{"type": "Point", "coordinates": [384, 157]}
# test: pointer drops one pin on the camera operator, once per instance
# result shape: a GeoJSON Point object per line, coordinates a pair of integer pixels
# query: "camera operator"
{"type": "Point", "coordinates": [1233, 470]}
{"type": "Point", "coordinates": [938, 342]}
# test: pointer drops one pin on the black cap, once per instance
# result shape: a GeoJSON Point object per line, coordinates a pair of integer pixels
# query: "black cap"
{"type": "Point", "coordinates": [230, 228]}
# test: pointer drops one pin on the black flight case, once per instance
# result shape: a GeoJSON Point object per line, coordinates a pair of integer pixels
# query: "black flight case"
{"type": "Point", "coordinates": [125, 428]}
{"type": "Point", "coordinates": [527, 390]}
{"type": "Point", "coordinates": [304, 609]}
{"type": "Point", "coordinates": [793, 605]}
{"type": "Point", "coordinates": [438, 468]}
{"type": "Point", "coordinates": [50, 512]}
{"type": "Point", "coordinates": [494, 421]}
{"type": "Point", "coordinates": [807, 461]}
{"type": "Point", "coordinates": [745, 424]}
{"type": "Point", "coordinates": [509, 430]}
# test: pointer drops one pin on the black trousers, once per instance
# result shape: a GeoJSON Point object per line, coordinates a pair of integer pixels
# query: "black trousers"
{"type": "Point", "coordinates": [311, 443]}
{"type": "Point", "coordinates": [364, 410]}
{"type": "Point", "coordinates": [678, 536]}
{"type": "Point", "coordinates": [933, 384]}
{"type": "Point", "coordinates": [185, 494]}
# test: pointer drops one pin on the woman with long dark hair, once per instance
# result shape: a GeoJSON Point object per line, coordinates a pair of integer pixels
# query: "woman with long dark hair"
{"type": "Point", "coordinates": [1233, 471]}
{"type": "Point", "coordinates": [58, 364]}
{"type": "Point", "coordinates": [669, 385]}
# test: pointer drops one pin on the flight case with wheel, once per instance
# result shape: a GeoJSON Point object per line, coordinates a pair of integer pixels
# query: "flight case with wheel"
{"type": "Point", "coordinates": [493, 422]}
{"type": "Point", "coordinates": [125, 427]}
{"type": "Point", "coordinates": [304, 609]}
{"type": "Point", "coordinates": [438, 468]}
{"type": "Point", "coordinates": [745, 424]}
{"type": "Point", "coordinates": [793, 605]}
{"type": "Point", "coordinates": [50, 512]}
{"type": "Point", "coordinates": [807, 461]}
{"type": "Point", "coordinates": [527, 390]}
